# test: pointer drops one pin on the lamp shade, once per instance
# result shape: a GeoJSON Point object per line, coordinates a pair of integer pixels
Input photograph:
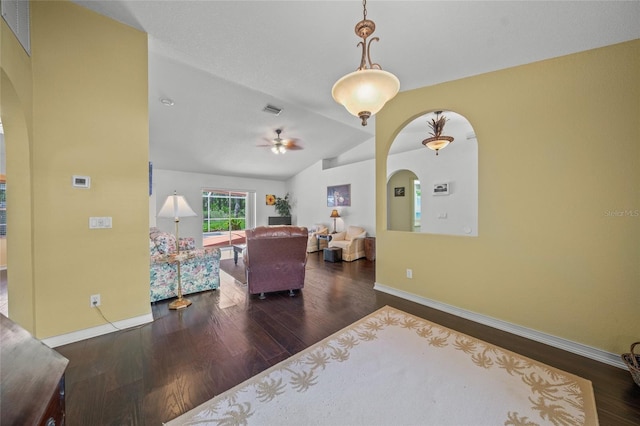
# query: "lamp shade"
{"type": "Point", "coordinates": [437, 144]}
{"type": "Point", "coordinates": [365, 91]}
{"type": "Point", "coordinates": [176, 206]}
{"type": "Point", "coordinates": [334, 213]}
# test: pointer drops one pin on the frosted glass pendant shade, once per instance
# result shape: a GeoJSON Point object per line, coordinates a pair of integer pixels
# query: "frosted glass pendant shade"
{"type": "Point", "coordinates": [437, 144]}
{"type": "Point", "coordinates": [364, 92]}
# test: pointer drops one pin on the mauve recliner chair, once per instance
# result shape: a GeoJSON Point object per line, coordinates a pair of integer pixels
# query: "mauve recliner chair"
{"type": "Point", "coordinates": [275, 258]}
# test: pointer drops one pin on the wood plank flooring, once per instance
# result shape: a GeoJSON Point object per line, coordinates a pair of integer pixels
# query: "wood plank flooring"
{"type": "Point", "coordinates": [151, 374]}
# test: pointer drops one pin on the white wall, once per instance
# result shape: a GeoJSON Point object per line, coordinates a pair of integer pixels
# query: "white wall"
{"type": "Point", "coordinates": [458, 167]}
{"type": "Point", "coordinates": [309, 195]}
{"type": "Point", "coordinates": [457, 164]}
{"type": "Point", "coordinates": [190, 185]}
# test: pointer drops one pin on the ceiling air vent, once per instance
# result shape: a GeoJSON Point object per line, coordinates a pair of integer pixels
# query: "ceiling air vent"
{"type": "Point", "coordinates": [272, 109]}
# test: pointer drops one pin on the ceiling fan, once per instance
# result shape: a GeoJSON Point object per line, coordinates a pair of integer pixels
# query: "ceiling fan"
{"type": "Point", "coordinates": [281, 146]}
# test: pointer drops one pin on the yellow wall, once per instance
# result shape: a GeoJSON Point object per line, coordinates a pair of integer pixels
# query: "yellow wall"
{"type": "Point", "coordinates": [15, 108]}
{"type": "Point", "coordinates": [89, 117]}
{"type": "Point", "coordinates": [400, 209]}
{"type": "Point", "coordinates": [553, 253]}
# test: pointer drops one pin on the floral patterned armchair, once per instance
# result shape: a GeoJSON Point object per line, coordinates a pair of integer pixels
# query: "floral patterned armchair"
{"type": "Point", "coordinates": [200, 272]}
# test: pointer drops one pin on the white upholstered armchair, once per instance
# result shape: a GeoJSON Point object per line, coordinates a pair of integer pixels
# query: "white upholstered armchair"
{"type": "Point", "coordinates": [351, 242]}
{"type": "Point", "coordinates": [313, 244]}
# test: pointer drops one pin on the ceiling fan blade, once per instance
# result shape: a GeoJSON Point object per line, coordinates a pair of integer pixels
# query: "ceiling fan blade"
{"type": "Point", "coordinates": [292, 145]}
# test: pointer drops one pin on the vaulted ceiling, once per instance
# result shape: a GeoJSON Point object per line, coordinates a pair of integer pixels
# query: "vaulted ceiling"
{"type": "Point", "coordinates": [222, 62]}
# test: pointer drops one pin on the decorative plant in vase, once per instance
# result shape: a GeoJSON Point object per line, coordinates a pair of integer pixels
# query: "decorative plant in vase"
{"type": "Point", "coordinates": [283, 207]}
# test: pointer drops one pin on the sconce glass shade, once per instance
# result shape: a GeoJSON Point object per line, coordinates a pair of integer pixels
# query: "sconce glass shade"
{"type": "Point", "coordinates": [364, 92]}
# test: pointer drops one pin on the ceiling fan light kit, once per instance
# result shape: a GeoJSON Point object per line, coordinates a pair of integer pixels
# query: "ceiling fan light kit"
{"type": "Point", "coordinates": [281, 146]}
{"type": "Point", "coordinates": [365, 91]}
{"type": "Point", "coordinates": [279, 149]}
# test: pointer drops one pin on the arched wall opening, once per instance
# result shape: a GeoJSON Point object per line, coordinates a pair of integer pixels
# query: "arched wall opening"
{"type": "Point", "coordinates": [20, 284]}
{"type": "Point", "coordinates": [448, 180]}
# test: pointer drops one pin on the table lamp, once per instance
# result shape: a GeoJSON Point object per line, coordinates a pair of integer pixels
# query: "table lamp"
{"type": "Point", "coordinates": [334, 215]}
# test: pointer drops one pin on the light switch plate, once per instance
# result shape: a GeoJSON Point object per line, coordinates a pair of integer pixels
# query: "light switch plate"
{"type": "Point", "coordinates": [100, 222]}
{"type": "Point", "coordinates": [83, 182]}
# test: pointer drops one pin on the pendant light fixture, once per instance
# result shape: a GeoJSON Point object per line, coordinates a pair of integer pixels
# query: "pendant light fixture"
{"type": "Point", "coordinates": [437, 141]}
{"type": "Point", "coordinates": [365, 91]}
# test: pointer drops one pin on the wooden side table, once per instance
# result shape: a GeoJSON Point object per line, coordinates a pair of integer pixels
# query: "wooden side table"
{"type": "Point", "coordinates": [237, 250]}
{"type": "Point", "coordinates": [326, 237]}
{"type": "Point", "coordinates": [370, 248]}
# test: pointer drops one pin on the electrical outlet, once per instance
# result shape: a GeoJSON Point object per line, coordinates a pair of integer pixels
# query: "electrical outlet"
{"type": "Point", "coordinates": [409, 273]}
{"type": "Point", "coordinates": [94, 300]}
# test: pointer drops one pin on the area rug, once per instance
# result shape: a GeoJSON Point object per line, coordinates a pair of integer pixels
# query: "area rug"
{"type": "Point", "coordinates": [393, 368]}
{"type": "Point", "coordinates": [236, 271]}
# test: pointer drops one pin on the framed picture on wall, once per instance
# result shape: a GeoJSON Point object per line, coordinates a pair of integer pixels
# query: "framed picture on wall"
{"type": "Point", "coordinates": [441, 188]}
{"type": "Point", "coordinates": [270, 200]}
{"type": "Point", "coordinates": [399, 191]}
{"type": "Point", "coordinates": [339, 195]}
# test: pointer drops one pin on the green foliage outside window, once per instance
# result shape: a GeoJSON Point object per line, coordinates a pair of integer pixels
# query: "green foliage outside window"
{"type": "Point", "coordinates": [223, 225]}
{"type": "Point", "coordinates": [223, 211]}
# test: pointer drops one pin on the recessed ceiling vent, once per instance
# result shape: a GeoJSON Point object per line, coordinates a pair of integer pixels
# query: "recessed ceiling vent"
{"type": "Point", "coordinates": [272, 109]}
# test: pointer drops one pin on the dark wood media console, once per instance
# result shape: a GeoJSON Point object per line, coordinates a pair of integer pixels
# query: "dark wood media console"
{"type": "Point", "coordinates": [279, 220]}
{"type": "Point", "coordinates": [32, 379]}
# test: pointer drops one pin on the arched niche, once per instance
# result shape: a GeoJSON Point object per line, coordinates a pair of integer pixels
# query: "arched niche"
{"type": "Point", "coordinates": [447, 190]}
{"type": "Point", "coordinates": [403, 207]}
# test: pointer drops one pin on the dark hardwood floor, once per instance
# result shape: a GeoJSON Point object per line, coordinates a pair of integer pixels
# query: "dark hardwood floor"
{"type": "Point", "coordinates": [151, 374]}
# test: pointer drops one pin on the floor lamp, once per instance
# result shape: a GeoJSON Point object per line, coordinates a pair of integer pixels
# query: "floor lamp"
{"type": "Point", "coordinates": [176, 207]}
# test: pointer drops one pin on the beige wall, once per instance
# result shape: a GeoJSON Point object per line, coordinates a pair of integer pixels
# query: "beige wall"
{"type": "Point", "coordinates": [16, 109]}
{"type": "Point", "coordinates": [400, 209]}
{"type": "Point", "coordinates": [87, 115]}
{"type": "Point", "coordinates": [554, 253]}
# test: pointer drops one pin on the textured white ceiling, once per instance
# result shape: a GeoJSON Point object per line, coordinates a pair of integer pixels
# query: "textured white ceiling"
{"type": "Point", "coordinates": [223, 61]}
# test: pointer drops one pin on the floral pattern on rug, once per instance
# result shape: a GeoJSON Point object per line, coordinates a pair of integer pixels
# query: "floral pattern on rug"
{"type": "Point", "coordinates": [556, 396]}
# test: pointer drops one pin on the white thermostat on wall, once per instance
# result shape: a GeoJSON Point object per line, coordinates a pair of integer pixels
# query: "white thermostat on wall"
{"type": "Point", "coordinates": [81, 182]}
